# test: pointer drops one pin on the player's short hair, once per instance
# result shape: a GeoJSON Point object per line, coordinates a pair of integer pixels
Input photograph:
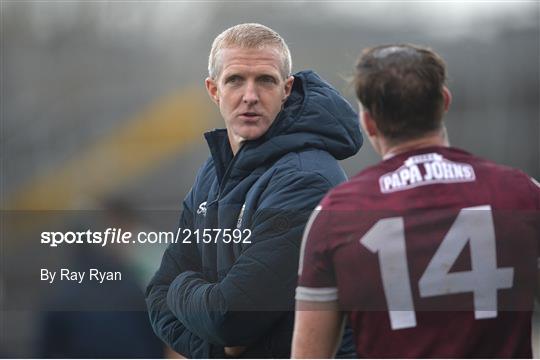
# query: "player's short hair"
{"type": "Point", "coordinates": [401, 86]}
{"type": "Point", "coordinates": [248, 36]}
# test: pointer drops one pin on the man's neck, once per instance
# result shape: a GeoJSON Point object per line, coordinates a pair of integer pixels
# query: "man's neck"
{"type": "Point", "coordinates": [235, 148]}
{"type": "Point", "coordinates": [436, 139]}
{"type": "Point", "coordinates": [235, 143]}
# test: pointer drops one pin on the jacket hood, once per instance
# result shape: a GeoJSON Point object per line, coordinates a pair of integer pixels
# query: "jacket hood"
{"type": "Point", "coordinates": [314, 116]}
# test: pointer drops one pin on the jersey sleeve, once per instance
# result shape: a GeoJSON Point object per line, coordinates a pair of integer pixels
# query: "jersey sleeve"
{"type": "Point", "coordinates": [536, 189]}
{"type": "Point", "coordinates": [317, 280]}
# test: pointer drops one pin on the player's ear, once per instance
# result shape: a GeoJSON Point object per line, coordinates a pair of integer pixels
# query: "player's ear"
{"type": "Point", "coordinates": [212, 89]}
{"type": "Point", "coordinates": [447, 97]}
{"type": "Point", "coordinates": [368, 123]}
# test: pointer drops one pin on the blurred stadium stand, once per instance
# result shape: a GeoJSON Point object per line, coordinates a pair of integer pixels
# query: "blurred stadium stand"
{"type": "Point", "coordinates": [94, 93]}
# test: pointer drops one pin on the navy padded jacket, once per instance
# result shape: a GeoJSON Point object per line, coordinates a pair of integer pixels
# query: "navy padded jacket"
{"type": "Point", "coordinates": [207, 296]}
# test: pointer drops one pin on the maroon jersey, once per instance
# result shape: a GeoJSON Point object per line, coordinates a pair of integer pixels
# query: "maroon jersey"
{"type": "Point", "coordinates": [433, 253]}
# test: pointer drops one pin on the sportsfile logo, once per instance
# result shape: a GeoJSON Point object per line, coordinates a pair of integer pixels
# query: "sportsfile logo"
{"type": "Point", "coordinates": [425, 169]}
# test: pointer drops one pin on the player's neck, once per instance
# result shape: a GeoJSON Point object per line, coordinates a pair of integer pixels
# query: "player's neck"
{"type": "Point", "coordinates": [388, 150]}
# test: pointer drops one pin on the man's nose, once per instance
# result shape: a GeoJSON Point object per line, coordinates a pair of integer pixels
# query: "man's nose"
{"type": "Point", "coordinates": [251, 95]}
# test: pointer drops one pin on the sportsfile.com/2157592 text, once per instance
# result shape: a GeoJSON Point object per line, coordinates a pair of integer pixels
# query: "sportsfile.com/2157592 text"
{"type": "Point", "coordinates": [118, 236]}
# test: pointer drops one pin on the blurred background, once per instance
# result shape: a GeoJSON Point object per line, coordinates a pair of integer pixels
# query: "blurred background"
{"type": "Point", "coordinates": [106, 99]}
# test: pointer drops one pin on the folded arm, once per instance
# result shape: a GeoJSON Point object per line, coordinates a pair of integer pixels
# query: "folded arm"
{"type": "Point", "coordinates": [177, 259]}
{"type": "Point", "coordinates": [259, 288]}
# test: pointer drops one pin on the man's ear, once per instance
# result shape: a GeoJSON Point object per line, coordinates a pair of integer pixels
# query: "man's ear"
{"type": "Point", "coordinates": [368, 123]}
{"type": "Point", "coordinates": [288, 87]}
{"type": "Point", "coordinates": [447, 97]}
{"type": "Point", "coordinates": [212, 89]}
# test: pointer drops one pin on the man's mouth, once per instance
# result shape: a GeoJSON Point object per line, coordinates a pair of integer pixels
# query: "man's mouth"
{"type": "Point", "coordinates": [249, 115]}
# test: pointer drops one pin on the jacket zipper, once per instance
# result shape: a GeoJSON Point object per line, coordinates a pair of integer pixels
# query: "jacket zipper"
{"type": "Point", "coordinates": [226, 175]}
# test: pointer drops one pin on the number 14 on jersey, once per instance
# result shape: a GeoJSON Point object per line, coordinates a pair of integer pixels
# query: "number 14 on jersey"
{"type": "Point", "coordinates": [473, 226]}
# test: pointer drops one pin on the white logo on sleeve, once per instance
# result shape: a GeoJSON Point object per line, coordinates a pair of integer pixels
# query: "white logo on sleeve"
{"type": "Point", "coordinates": [426, 169]}
{"type": "Point", "coordinates": [202, 209]}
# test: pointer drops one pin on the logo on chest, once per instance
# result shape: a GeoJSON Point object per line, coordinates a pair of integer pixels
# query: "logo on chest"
{"type": "Point", "coordinates": [202, 209]}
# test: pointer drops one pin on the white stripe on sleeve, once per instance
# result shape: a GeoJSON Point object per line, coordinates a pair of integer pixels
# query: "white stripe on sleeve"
{"type": "Point", "coordinates": [310, 222]}
{"type": "Point", "coordinates": [316, 294]}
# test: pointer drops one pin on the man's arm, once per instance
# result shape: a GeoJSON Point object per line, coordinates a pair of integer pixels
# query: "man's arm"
{"type": "Point", "coordinates": [259, 287]}
{"type": "Point", "coordinates": [176, 259]}
{"type": "Point", "coordinates": [170, 330]}
{"type": "Point", "coordinates": [538, 283]}
{"type": "Point", "coordinates": [319, 322]}
{"type": "Point", "coordinates": [318, 328]}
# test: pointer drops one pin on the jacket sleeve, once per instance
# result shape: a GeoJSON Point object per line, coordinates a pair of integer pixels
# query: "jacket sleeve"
{"type": "Point", "coordinates": [176, 259]}
{"type": "Point", "coordinates": [259, 288]}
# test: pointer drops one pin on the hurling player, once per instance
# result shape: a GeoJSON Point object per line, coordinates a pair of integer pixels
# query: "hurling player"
{"type": "Point", "coordinates": [433, 252]}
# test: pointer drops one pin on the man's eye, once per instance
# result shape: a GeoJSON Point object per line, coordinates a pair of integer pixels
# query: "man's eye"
{"type": "Point", "coordinates": [233, 80]}
{"type": "Point", "coordinates": [267, 79]}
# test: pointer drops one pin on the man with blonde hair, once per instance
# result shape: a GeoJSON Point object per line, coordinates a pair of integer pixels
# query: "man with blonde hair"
{"type": "Point", "coordinates": [228, 288]}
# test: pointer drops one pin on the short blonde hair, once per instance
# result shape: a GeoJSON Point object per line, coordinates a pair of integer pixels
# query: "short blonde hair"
{"type": "Point", "coordinates": [248, 36]}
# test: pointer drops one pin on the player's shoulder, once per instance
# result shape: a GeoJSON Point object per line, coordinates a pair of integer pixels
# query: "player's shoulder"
{"type": "Point", "coordinates": [496, 178]}
{"type": "Point", "coordinates": [361, 190]}
{"type": "Point", "coordinates": [515, 179]}
{"type": "Point", "coordinates": [351, 193]}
